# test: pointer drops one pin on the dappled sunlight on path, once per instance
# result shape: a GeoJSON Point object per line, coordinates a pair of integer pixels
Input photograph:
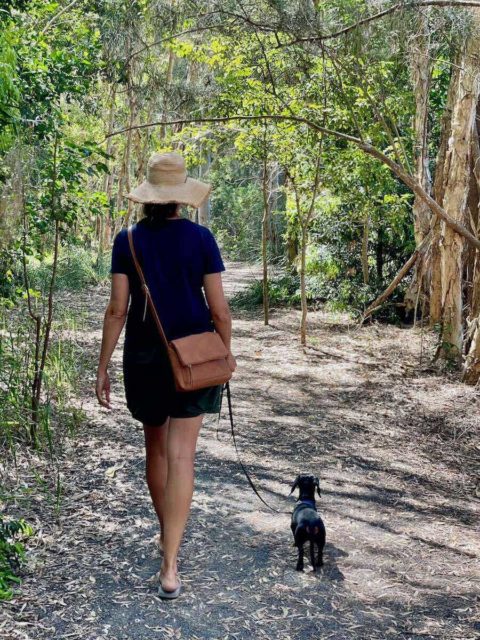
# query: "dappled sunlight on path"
{"type": "Point", "coordinates": [401, 559]}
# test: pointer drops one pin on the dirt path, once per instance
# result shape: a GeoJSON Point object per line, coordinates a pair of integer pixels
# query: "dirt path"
{"type": "Point", "coordinates": [353, 408]}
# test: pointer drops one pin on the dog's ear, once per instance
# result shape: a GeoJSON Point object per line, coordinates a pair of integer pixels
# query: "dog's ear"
{"type": "Point", "coordinates": [317, 484]}
{"type": "Point", "coordinates": [294, 485]}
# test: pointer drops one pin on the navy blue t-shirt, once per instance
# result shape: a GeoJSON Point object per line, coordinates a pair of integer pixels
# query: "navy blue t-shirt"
{"type": "Point", "coordinates": [174, 256]}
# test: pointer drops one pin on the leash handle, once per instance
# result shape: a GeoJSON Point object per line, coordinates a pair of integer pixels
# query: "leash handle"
{"type": "Point", "coordinates": [229, 399]}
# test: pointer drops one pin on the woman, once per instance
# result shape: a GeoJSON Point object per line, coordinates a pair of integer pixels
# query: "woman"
{"type": "Point", "coordinates": [179, 258]}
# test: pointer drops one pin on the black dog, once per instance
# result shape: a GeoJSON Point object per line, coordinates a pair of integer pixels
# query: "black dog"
{"type": "Point", "coordinates": [306, 523]}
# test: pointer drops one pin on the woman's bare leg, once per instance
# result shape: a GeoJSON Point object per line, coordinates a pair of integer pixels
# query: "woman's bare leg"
{"type": "Point", "coordinates": [181, 449]}
{"type": "Point", "coordinates": [156, 467]}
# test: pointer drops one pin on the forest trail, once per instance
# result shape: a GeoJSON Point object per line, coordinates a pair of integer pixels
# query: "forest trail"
{"type": "Point", "coordinates": [354, 408]}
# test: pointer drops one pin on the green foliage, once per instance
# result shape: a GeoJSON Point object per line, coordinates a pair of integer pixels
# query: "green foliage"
{"type": "Point", "coordinates": [66, 364]}
{"type": "Point", "coordinates": [283, 290]}
{"type": "Point", "coordinates": [9, 90]}
{"type": "Point", "coordinates": [76, 270]}
{"type": "Point", "coordinates": [236, 211]}
{"type": "Point", "coordinates": [12, 553]}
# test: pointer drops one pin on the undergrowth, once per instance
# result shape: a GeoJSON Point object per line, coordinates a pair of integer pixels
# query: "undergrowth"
{"type": "Point", "coordinates": [12, 553]}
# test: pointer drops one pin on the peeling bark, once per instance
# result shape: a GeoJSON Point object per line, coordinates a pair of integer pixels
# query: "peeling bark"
{"type": "Point", "coordinates": [471, 373]}
{"type": "Point", "coordinates": [458, 159]}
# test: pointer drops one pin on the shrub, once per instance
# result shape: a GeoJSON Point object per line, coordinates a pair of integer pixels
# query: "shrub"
{"type": "Point", "coordinates": [12, 553]}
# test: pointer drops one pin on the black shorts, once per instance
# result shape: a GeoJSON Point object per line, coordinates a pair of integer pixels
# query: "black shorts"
{"type": "Point", "coordinates": [150, 389]}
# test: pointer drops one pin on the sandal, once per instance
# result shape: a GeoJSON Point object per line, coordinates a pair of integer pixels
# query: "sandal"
{"type": "Point", "coordinates": [169, 595]}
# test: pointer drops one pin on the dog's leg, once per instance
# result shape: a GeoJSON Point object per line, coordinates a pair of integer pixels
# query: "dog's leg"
{"type": "Point", "coordinates": [293, 527]}
{"type": "Point", "coordinates": [312, 554]}
{"type": "Point", "coordinates": [300, 558]}
{"type": "Point", "coordinates": [320, 555]}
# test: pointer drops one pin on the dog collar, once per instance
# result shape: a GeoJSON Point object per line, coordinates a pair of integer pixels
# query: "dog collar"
{"type": "Point", "coordinates": [312, 502]}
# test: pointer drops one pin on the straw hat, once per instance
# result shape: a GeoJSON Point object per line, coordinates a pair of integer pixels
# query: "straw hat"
{"type": "Point", "coordinates": [167, 181]}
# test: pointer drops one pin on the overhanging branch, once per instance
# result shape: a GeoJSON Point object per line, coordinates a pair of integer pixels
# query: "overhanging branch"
{"type": "Point", "coordinates": [405, 177]}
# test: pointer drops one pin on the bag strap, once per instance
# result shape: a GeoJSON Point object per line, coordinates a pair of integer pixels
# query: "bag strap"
{"type": "Point", "coordinates": [227, 387]}
{"type": "Point", "coordinates": [148, 296]}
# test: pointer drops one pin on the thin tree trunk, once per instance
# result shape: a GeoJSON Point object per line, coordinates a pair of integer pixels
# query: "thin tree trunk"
{"type": "Point", "coordinates": [304, 221]}
{"type": "Point", "coordinates": [36, 317]}
{"type": "Point", "coordinates": [105, 230]}
{"type": "Point", "coordinates": [303, 290]}
{"type": "Point", "coordinates": [132, 111]}
{"type": "Point", "coordinates": [265, 238]}
{"type": "Point", "coordinates": [365, 250]}
{"type": "Point", "coordinates": [421, 67]}
{"type": "Point", "coordinates": [41, 351]}
{"type": "Point", "coordinates": [379, 259]}
{"type": "Point", "coordinates": [168, 82]}
{"type": "Point", "coordinates": [204, 208]}
{"type": "Point", "coordinates": [120, 189]}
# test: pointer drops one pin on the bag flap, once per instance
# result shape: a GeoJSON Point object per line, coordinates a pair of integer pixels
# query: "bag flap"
{"type": "Point", "coordinates": [199, 347]}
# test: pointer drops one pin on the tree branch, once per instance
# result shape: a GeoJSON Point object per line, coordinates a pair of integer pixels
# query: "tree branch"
{"type": "Point", "coordinates": [57, 15]}
{"type": "Point", "coordinates": [400, 6]}
{"type": "Point", "coordinates": [172, 37]}
{"type": "Point", "coordinates": [397, 279]}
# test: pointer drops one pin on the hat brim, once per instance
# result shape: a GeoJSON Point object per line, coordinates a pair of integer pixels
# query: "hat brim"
{"type": "Point", "coordinates": [191, 192]}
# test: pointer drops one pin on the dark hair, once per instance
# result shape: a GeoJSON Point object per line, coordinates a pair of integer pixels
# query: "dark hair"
{"type": "Point", "coordinates": [156, 212]}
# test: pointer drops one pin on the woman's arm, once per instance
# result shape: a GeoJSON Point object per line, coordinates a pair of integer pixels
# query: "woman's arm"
{"type": "Point", "coordinates": [219, 309]}
{"type": "Point", "coordinates": [114, 320]}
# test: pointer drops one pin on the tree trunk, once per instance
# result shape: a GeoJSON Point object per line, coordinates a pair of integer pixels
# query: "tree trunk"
{"type": "Point", "coordinates": [365, 250]}
{"type": "Point", "coordinates": [265, 220]}
{"type": "Point", "coordinates": [105, 230]}
{"type": "Point", "coordinates": [473, 202]}
{"type": "Point", "coordinates": [303, 292]}
{"type": "Point", "coordinates": [379, 258]}
{"type": "Point", "coordinates": [421, 68]}
{"type": "Point", "coordinates": [471, 373]}
{"type": "Point", "coordinates": [421, 71]}
{"type": "Point", "coordinates": [434, 275]}
{"type": "Point", "coordinates": [292, 247]}
{"type": "Point", "coordinates": [132, 106]}
{"type": "Point", "coordinates": [458, 158]}
{"type": "Point", "coordinates": [204, 208]}
{"type": "Point", "coordinates": [168, 82]}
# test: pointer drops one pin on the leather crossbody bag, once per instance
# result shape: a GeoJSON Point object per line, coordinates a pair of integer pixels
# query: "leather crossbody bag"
{"type": "Point", "coordinates": [198, 360]}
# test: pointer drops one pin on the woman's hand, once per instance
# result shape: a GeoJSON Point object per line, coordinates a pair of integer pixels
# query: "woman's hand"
{"type": "Point", "coordinates": [103, 386]}
{"type": "Point", "coordinates": [232, 363]}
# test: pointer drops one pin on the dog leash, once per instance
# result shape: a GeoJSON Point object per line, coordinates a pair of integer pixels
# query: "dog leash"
{"type": "Point", "coordinates": [229, 399]}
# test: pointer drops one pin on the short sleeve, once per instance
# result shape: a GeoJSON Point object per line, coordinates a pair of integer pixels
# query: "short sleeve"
{"type": "Point", "coordinates": [212, 259]}
{"type": "Point", "coordinates": [120, 255]}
